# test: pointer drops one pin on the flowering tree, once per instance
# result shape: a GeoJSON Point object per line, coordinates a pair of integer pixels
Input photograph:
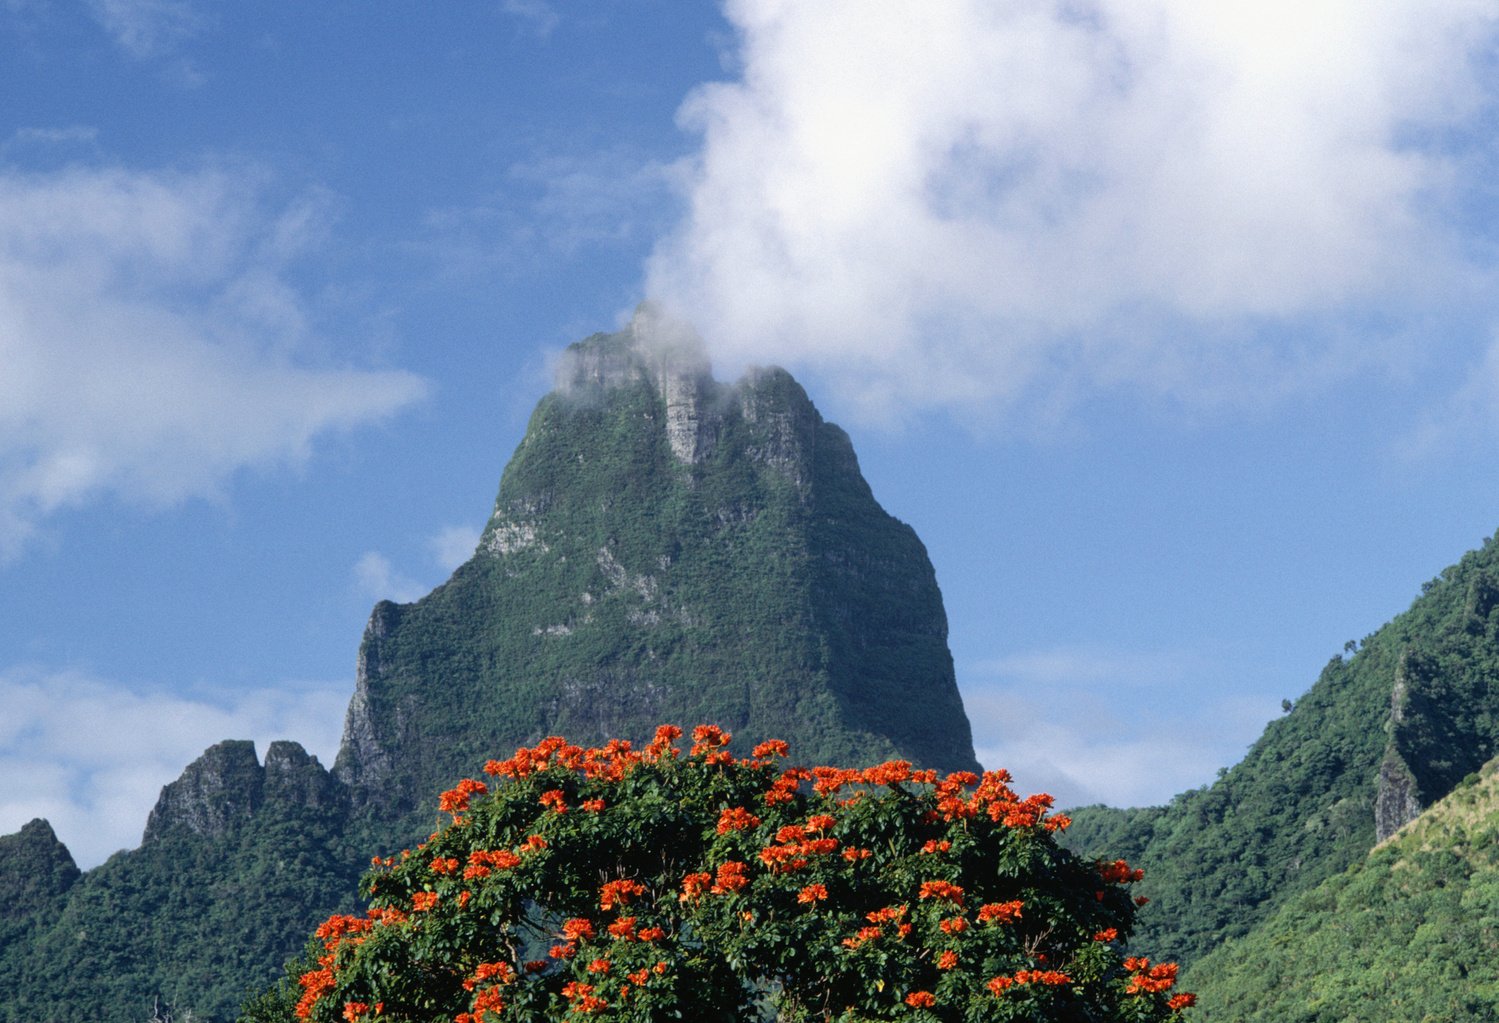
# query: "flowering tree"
{"type": "Point", "coordinates": [640, 885]}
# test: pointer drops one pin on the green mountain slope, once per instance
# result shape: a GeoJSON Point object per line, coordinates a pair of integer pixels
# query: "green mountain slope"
{"type": "Point", "coordinates": [237, 862]}
{"type": "Point", "coordinates": [1380, 735]}
{"type": "Point", "coordinates": [665, 548]}
{"type": "Point", "coordinates": [1408, 935]}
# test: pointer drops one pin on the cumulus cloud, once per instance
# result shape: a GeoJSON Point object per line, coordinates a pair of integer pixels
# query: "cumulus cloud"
{"type": "Point", "coordinates": [964, 202]}
{"type": "Point", "coordinates": [97, 794]}
{"type": "Point", "coordinates": [1095, 726]}
{"type": "Point", "coordinates": [152, 344]}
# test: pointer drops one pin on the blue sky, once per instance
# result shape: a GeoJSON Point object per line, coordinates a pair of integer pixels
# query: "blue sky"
{"type": "Point", "coordinates": [1171, 327]}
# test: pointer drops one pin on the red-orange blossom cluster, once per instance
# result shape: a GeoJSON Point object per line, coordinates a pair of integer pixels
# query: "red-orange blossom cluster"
{"type": "Point", "coordinates": [616, 956]}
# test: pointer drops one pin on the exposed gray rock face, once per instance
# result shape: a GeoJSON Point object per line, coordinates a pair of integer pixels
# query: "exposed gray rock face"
{"type": "Point", "coordinates": [363, 763]}
{"type": "Point", "coordinates": [1397, 795]}
{"type": "Point", "coordinates": [226, 786]}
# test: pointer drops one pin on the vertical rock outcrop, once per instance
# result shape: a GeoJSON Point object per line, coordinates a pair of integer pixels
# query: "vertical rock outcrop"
{"type": "Point", "coordinates": [226, 787]}
{"type": "Point", "coordinates": [1397, 797]}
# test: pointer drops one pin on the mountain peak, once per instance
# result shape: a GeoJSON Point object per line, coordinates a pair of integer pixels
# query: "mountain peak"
{"type": "Point", "coordinates": [660, 352]}
{"type": "Point", "coordinates": [665, 548]}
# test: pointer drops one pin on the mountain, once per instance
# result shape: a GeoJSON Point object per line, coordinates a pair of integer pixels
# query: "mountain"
{"type": "Point", "coordinates": [238, 861]}
{"type": "Point", "coordinates": [664, 548]}
{"type": "Point", "coordinates": [1385, 732]}
{"type": "Point", "coordinates": [1408, 933]}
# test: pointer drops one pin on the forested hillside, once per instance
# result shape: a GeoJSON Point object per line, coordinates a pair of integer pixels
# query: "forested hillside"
{"type": "Point", "coordinates": [1386, 730]}
{"type": "Point", "coordinates": [1409, 933]}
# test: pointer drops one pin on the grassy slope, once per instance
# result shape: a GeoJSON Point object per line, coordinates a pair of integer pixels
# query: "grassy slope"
{"type": "Point", "coordinates": [1408, 935]}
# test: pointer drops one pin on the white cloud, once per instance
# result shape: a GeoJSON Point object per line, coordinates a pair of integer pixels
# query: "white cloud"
{"type": "Point", "coordinates": [538, 15]}
{"type": "Point", "coordinates": [1093, 726]}
{"type": "Point", "coordinates": [73, 134]}
{"type": "Point", "coordinates": [453, 545]}
{"type": "Point", "coordinates": [966, 202]}
{"type": "Point", "coordinates": [150, 341]}
{"type": "Point", "coordinates": [148, 28]}
{"type": "Point", "coordinates": [378, 579]}
{"type": "Point", "coordinates": [98, 793]}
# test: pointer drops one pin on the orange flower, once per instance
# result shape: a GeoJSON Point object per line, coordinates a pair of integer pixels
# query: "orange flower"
{"type": "Point", "coordinates": [455, 800]}
{"type": "Point", "coordinates": [1108, 934]}
{"type": "Point", "coordinates": [554, 799]}
{"type": "Point", "coordinates": [769, 748]}
{"type": "Point", "coordinates": [706, 738]}
{"type": "Point", "coordinates": [1052, 978]}
{"type": "Point", "coordinates": [593, 805]}
{"type": "Point", "coordinates": [736, 819]}
{"type": "Point", "coordinates": [577, 928]}
{"type": "Point", "coordinates": [315, 984]}
{"type": "Point", "coordinates": [812, 893]}
{"type": "Point", "coordinates": [852, 854]}
{"type": "Point", "coordinates": [942, 890]}
{"type": "Point", "coordinates": [947, 960]}
{"type": "Point", "coordinates": [617, 893]}
{"type": "Point", "coordinates": [652, 934]}
{"type": "Point", "coordinates": [599, 966]}
{"type": "Point", "coordinates": [921, 999]}
{"type": "Point", "coordinates": [693, 885]}
{"type": "Point", "coordinates": [423, 901]}
{"type": "Point", "coordinates": [623, 928]}
{"type": "Point", "coordinates": [1000, 912]}
{"type": "Point", "coordinates": [933, 846]}
{"type": "Point", "coordinates": [731, 878]}
{"type": "Point", "coordinates": [954, 925]}
{"type": "Point", "coordinates": [1185, 1000]}
{"type": "Point", "coordinates": [1119, 872]}
{"type": "Point", "coordinates": [997, 985]}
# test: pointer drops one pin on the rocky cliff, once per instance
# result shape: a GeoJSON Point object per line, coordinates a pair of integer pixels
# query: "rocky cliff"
{"type": "Point", "coordinates": [664, 547]}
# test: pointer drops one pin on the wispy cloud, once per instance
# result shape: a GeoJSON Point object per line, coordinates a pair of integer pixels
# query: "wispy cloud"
{"type": "Point", "coordinates": [376, 578]}
{"type": "Point", "coordinates": [97, 794]}
{"type": "Point", "coordinates": [968, 203]}
{"type": "Point", "coordinates": [149, 28]}
{"type": "Point", "coordinates": [1094, 726]}
{"type": "Point", "coordinates": [538, 16]}
{"type": "Point", "coordinates": [556, 207]}
{"type": "Point", "coordinates": [153, 343]}
{"type": "Point", "coordinates": [52, 136]}
{"type": "Point", "coordinates": [453, 545]}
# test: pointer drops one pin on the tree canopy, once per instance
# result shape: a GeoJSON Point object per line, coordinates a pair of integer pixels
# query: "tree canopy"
{"type": "Point", "coordinates": [632, 885]}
